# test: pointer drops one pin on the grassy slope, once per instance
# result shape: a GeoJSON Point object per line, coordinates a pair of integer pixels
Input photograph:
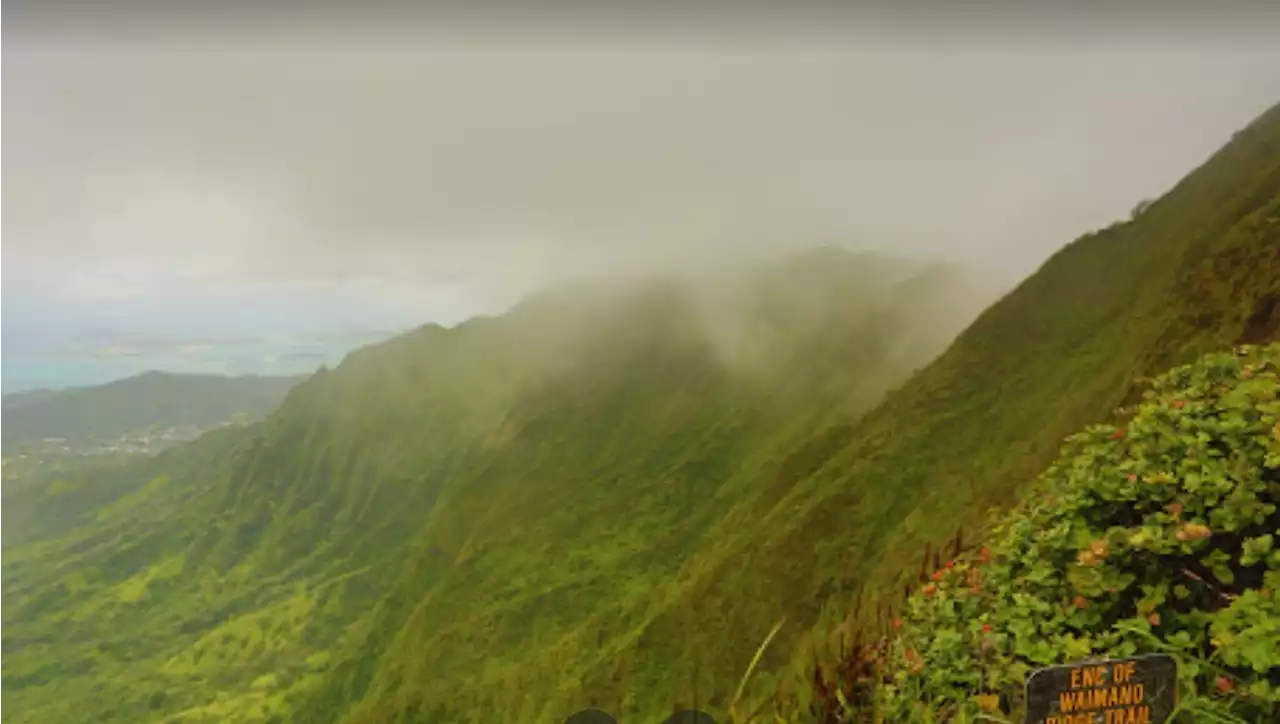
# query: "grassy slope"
{"type": "Point", "coordinates": [1198, 272]}
{"type": "Point", "coordinates": [137, 403]}
{"type": "Point", "coordinates": [230, 581]}
{"type": "Point", "coordinates": [88, 612]}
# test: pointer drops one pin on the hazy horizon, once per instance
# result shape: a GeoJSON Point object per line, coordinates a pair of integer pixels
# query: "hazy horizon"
{"type": "Point", "coordinates": [218, 196]}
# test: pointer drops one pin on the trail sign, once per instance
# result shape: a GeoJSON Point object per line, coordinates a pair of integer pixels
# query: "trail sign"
{"type": "Point", "coordinates": [591, 716]}
{"type": "Point", "coordinates": [1137, 690]}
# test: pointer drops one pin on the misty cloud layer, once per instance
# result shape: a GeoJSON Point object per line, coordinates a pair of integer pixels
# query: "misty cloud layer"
{"type": "Point", "coordinates": [439, 175]}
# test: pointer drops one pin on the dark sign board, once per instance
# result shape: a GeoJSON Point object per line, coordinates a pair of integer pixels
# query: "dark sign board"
{"type": "Point", "coordinates": [591, 716]}
{"type": "Point", "coordinates": [685, 716]}
{"type": "Point", "coordinates": [1138, 690]}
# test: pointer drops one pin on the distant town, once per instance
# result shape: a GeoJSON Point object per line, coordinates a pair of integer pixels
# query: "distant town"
{"type": "Point", "coordinates": [135, 443]}
{"type": "Point", "coordinates": [140, 442]}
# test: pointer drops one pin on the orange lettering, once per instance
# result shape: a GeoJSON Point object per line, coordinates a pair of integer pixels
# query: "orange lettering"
{"type": "Point", "coordinates": [1131, 715]}
{"type": "Point", "coordinates": [1120, 695]}
{"type": "Point", "coordinates": [1099, 676]}
{"type": "Point", "coordinates": [1104, 694]}
{"type": "Point", "coordinates": [1064, 701]}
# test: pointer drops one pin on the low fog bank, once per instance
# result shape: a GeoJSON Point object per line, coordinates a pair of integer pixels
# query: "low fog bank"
{"type": "Point", "coordinates": [790, 323]}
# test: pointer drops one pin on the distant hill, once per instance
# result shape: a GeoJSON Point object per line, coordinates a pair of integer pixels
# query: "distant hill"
{"type": "Point", "coordinates": [136, 403]}
{"type": "Point", "coordinates": [19, 400]}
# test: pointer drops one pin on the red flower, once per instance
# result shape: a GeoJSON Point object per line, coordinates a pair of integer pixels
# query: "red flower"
{"type": "Point", "coordinates": [1080, 602]}
{"type": "Point", "coordinates": [914, 663]}
{"type": "Point", "coordinates": [950, 565]}
{"type": "Point", "coordinates": [937, 575]}
{"type": "Point", "coordinates": [1179, 404]}
{"type": "Point", "coordinates": [1224, 685]}
{"type": "Point", "coordinates": [1132, 477]}
{"type": "Point", "coordinates": [897, 624]}
{"type": "Point", "coordinates": [929, 590]}
{"type": "Point", "coordinates": [1154, 619]}
{"type": "Point", "coordinates": [986, 628]}
{"type": "Point", "coordinates": [1117, 434]}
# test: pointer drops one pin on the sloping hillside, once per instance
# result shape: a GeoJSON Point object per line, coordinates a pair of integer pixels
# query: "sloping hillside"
{"type": "Point", "coordinates": [1199, 271]}
{"type": "Point", "coordinates": [137, 403]}
{"type": "Point", "coordinates": [579, 441]}
{"type": "Point", "coordinates": [811, 515]}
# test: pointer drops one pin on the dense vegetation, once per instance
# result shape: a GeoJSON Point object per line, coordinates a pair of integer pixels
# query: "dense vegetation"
{"type": "Point", "coordinates": [611, 495]}
{"type": "Point", "coordinates": [1153, 535]}
{"type": "Point", "coordinates": [148, 400]}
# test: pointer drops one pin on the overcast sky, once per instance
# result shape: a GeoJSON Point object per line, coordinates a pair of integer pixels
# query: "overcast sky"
{"type": "Point", "coordinates": [249, 174]}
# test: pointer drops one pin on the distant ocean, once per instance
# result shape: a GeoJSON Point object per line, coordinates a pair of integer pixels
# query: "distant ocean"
{"type": "Point", "coordinates": [35, 369]}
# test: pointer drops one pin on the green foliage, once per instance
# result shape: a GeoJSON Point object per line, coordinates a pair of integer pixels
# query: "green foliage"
{"type": "Point", "coordinates": [1153, 536]}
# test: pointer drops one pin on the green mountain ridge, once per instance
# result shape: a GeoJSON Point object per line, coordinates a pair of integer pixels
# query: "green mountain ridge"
{"type": "Point", "coordinates": [610, 497]}
{"type": "Point", "coordinates": [405, 439]}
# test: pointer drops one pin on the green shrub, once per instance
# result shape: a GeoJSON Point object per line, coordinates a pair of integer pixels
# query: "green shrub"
{"type": "Point", "coordinates": [1156, 535]}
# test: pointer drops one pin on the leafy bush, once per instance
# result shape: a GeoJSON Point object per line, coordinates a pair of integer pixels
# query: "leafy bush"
{"type": "Point", "coordinates": [1155, 535]}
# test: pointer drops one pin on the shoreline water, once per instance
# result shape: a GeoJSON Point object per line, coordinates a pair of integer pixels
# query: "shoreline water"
{"type": "Point", "coordinates": [57, 370]}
